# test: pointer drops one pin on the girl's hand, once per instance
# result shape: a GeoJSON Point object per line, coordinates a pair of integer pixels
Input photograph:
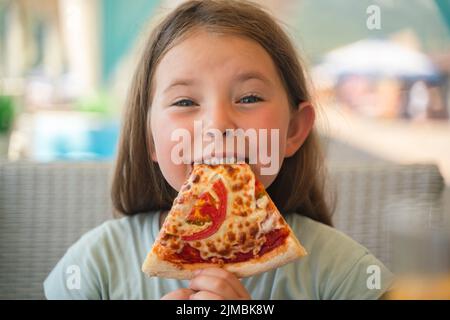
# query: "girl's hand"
{"type": "Point", "coordinates": [217, 284]}
{"type": "Point", "coordinates": [180, 294]}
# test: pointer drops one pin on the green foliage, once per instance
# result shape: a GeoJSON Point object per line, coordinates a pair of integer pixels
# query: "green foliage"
{"type": "Point", "coordinates": [99, 103]}
{"type": "Point", "coordinates": [6, 113]}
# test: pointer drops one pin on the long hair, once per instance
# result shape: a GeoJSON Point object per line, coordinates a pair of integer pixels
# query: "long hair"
{"type": "Point", "coordinates": [138, 184]}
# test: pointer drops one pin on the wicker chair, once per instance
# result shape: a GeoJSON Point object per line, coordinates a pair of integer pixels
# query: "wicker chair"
{"type": "Point", "coordinates": [44, 208]}
{"type": "Point", "coordinates": [376, 201]}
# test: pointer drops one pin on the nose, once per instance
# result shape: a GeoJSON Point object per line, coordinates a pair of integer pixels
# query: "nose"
{"type": "Point", "coordinates": [219, 117]}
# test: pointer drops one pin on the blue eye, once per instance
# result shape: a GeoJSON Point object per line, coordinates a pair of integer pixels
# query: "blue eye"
{"type": "Point", "coordinates": [250, 99]}
{"type": "Point", "coordinates": [184, 103]}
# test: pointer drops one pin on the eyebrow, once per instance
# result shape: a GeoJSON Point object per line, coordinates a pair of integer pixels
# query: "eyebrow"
{"type": "Point", "coordinates": [253, 75]}
{"type": "Point", "coordinates": [242, 77]}
{"type": "Point", "coordinates": [180, 82]}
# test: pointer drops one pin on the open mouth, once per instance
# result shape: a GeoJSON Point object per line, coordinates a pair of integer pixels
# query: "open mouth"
{"type": "Point", "coordinates": [224, 160]}
{"type": "Point", "coordinates": [218, 160]}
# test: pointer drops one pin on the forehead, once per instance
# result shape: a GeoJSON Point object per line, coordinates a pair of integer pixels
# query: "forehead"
{"type": "Point", "coordinates": [204, 53]}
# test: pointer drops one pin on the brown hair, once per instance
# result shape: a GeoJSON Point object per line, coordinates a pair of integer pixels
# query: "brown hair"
{"type": "Point", "coordinates": [138, 184]}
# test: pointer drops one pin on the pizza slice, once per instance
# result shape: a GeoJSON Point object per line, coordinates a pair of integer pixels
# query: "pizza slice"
{"type": "Point", "coordinates": [222, 217]}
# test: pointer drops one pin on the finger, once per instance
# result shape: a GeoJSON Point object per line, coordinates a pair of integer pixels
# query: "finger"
{"type": "Point", "coordinates": [205, 295]}
{"type": "Point", "coordinates": [215, 285]}
{"type": "Point", "coordinates": [180, 294]}
{"type": "Point", "coordinates": [229, 277]}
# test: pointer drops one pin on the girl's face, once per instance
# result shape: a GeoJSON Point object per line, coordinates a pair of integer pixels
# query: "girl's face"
{"type": "Point", "coordinates": [226, 82]}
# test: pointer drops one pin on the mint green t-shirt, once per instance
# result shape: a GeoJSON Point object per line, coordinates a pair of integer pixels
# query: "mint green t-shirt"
{"type": "Point", "coordinates": [105, 263]}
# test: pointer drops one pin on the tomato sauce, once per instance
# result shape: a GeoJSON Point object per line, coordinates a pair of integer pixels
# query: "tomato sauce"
{"type": "Point", "coordinates": [274, 239]}
{"type": "Point", "coordinates": [217, 215]}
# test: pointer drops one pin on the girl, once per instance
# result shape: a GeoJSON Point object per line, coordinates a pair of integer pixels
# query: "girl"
{"type": "Point", "coordinates": [229, 65]}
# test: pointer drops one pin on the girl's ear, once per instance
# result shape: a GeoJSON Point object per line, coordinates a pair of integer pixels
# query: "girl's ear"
{"type": "Point", "coordinates": [300, 124]}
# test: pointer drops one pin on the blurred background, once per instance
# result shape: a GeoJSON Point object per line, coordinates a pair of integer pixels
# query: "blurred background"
{"type": "Point", "coordinates": [380, 70]}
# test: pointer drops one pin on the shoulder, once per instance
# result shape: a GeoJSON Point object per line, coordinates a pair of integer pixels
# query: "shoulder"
{"type": "Point", "coordinates": [113, 234]}
{"type": "Point", "coordinates": [342, 267]}
{"type": "Point", "coordinates": [84, 272]}
{"type": "Point", "coordinates": [116, 231]}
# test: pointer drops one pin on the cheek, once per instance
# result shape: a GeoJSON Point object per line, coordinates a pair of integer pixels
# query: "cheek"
{"type": "Point", "coordinates": [274, 120]}
{"type": "Point", "coordinates": [161, 137]}
{"type": "Point", "coordinates": [162, 129]}
{"type": "Point", "coordinates": [273, 117]}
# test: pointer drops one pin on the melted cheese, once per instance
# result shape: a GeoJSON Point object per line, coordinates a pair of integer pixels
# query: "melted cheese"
{"type": "Point", "coordinates": [246, 222]}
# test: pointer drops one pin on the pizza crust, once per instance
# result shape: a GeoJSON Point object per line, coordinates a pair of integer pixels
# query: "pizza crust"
{"type": "Point", "coordinates": [281, 255]}
{"type": "Point", "coordinates": [289, 251]}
